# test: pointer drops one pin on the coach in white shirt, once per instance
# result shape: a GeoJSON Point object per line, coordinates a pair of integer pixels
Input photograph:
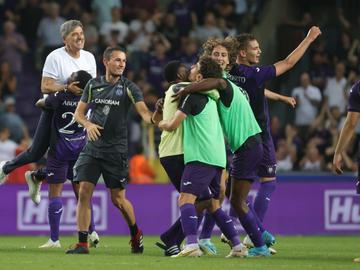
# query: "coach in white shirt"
{"type": "Point", "coordinates": [335, 92]}
{"type": "Point", "coordinates": [308, 98]}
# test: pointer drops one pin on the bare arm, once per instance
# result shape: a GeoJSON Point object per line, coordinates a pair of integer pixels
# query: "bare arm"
{"type": "Point", "coordinates": [174, 123]}
{"type": "Point", "coordinates": [148, 116]}
{"type": "Point", "coordinates": [277, 97]}
{"type": "Point", "coordinates": [49, 85]}
{"type": "Point", "coordinates": [202, 86]}
{"type": "Point", "coordinates": [286, 64]}
{"type": "Point", "coordinates": [92, 130]}
{"type": "Point", "coordinates": [345, 136]}
{"type": "Point", "coordinates": [40, 103]}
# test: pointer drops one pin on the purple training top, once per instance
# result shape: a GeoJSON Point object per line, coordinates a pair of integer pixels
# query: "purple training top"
{"type": "Point", "coordinates": [67, 137]}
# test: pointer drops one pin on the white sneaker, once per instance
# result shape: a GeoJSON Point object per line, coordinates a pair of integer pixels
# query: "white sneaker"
{"type": "Point", "coordinates": [189, 251]}
{"type": "Point", "coordinates": [34, 187]}
{"type": "Point", "coordinates": [241, 252]}
{"type": "Point", "coordinates": [224, 239]}
{"type": "Point", "coordinates": [51, 244]}
{"type": "Point", "coordinates": [247, 242]}
{"type": "Point", "coordinates": [2, 174]}
{"type": "Point", "coordinates": [272, 251]}
{"type": "Point", "coordinates": [94, 239]}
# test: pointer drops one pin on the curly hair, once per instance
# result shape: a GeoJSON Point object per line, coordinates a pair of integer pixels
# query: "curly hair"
{"type": "Point", "coordinates": [211, 43]}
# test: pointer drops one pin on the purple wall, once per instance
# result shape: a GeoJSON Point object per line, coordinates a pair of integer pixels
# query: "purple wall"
{"type": "Point", "coordinates": [299, 206]}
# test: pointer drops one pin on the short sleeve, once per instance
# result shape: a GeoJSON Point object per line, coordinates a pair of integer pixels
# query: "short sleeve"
{"type": "Point", "coordinates": [54, 100]}
{"type": "Point", "coordinates": [193, 104]}
{"type": "Point", "coordinates": [86, 95]}
{"type": "Point", "coordinates": [264, 73]}
{"type": "Point", "coordinates": [51, 68]}
{"type": "Point", "coordinates": [259, 75]}
{"type": "Point", "coordinates": [134, 92]}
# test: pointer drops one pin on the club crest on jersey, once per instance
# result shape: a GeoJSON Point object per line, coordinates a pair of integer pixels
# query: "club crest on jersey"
{"type": "Point", "coordinates": [119, 90]}
{"type": "Point", "coordinates": [271, 169]}
{"type": "Point", "coordinates": [106, 109]}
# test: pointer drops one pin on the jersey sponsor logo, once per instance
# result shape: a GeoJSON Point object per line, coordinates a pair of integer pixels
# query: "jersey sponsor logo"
{"type": "Point", "coordinates": [271, 169]}
{"type": "Point", "coordinates": [106, 109]}
{"type": "Point", "coordinates": [107, 101]}
{"type": "Point", "coordinates": [342, 210]}
{"type": "Point", "coordinates": [31, 217]}
{"type": "Point", "coordinates": [119, 90]}
{"type": "Point", "coordinates": [70, 103]}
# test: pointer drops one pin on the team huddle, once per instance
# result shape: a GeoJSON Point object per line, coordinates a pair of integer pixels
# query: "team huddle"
{"type": "Point", "coordinates": [221, 100]}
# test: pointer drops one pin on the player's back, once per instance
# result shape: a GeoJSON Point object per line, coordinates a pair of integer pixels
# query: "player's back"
{"type": "Point", "coordinates": [67, 136]}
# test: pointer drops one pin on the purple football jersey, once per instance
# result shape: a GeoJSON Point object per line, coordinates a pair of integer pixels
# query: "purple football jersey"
{"type": "Point", "coordinates": [252, 79]}
{"type": "Point", "coordinates": [354, 98]}
{"type": "Point", "coordinates": [67, 136]}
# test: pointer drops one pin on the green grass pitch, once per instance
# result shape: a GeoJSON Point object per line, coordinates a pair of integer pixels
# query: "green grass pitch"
{"type": "Point", "coordinates": [315, 252]}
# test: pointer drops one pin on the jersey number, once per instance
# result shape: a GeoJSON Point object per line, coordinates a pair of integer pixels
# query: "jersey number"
{"type": "Point", "coordinates": [65, 129]}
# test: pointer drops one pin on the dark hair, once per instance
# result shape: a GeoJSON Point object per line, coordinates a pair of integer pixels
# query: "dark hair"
{"type": "Point", "coordinates": [209, 68]}
{"type": "Point", "coordinates": [171, 71]}
{"type": "Point", "coordinates": [243, 40]}
{"type": "Point", "coordinates": [109, 50]}
{"type": "Point", "coordinates": [82, 77]}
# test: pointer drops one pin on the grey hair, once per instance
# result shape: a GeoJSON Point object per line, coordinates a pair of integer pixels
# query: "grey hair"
{"type": "Point", "coordinates": [69, 26]}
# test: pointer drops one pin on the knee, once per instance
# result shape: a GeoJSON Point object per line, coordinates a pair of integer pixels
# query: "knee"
{"type": "Point", "coordinates": [84, 194]}
{"type": "Point", "coordinates": [239, 204]}
{"type": "Point", "coordinates": [186, 198]}
{"type": "Point", "coordinates": [213, 206]}
{"type": "Point", "coordinates": [222, 194]}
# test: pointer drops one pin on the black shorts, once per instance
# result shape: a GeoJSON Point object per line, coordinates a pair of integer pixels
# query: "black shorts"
{"type": "Point", "coordinates": [174, 167]}
{"type": "Point", "coordinates": [112, 166]}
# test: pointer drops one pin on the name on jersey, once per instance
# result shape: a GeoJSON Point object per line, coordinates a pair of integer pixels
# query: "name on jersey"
{"type": "Point", "coordinates": [70, 103]}
{"type": "Point", "coordinates": [107, 101]}
{"type": "Point", "coordinates": [236, 79]}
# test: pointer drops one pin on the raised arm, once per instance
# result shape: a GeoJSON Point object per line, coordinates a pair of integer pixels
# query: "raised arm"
{"type": "Point", "coordinates": [286, 64]}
